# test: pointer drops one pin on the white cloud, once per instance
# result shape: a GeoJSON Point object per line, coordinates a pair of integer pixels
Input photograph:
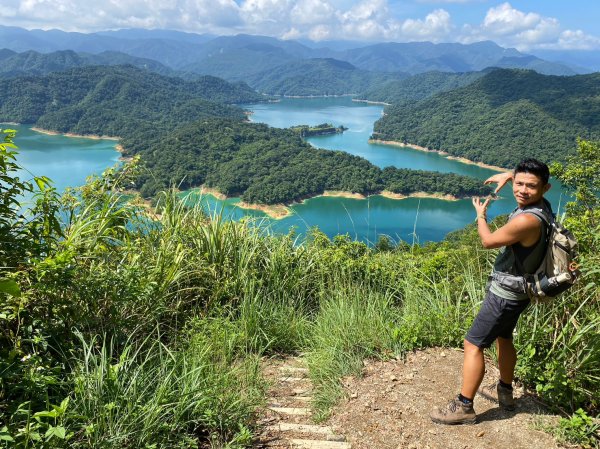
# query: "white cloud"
{"type": "Point", "coordinates": [435, 26]}
{"type": "Point", "coordinates": [525, 31]}
{"type": "Point", "coordinates": [83, 15]}
{"type": "Point", "coordinates": [575, 40]}
{"type": "Point", "coordinates": [308, 12]}
{"type": "Point", "coordinates": [504, 19]}
{"type": "Point", "coordinates": [319, 33]}
{"type": "Point", "coordinates": [292, 19]}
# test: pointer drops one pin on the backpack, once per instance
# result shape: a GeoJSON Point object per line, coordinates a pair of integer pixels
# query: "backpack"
{"type": "Point", "coordinates": [558, 270]}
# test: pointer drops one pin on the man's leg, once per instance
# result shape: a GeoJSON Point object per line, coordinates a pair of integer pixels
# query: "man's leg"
{"type": "Point", "coordinates": [507, 359]}
{"type": "Point", "coordinates": [473, 370]}
{"type": "Point", "coordinates": [460, 410]}
{"type": "Point", "coordinates": [501, 391]}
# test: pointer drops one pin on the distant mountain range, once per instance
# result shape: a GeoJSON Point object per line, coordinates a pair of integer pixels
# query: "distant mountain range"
{"type": "Point", "coordinates": [323, 76]}
{"type": "Point", "coordinates": [31, 62]}
{"type": "Point", "coordinates": [240, 56]}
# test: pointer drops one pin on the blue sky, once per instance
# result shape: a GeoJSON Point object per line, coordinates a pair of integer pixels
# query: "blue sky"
{"type": "Point", "coordinates": [526, 25]}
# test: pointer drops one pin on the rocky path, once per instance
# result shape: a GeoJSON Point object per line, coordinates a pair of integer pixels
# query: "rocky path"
{"type": "Point", "coordinates": [388, 406]}
{"type": "Point", "coordinates": [287, 421]}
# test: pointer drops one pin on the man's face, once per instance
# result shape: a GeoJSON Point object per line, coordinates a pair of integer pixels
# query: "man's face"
{"type": "Point", "coordinates": [528, 189]}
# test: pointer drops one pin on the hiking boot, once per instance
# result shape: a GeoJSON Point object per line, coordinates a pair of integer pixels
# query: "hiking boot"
{"type": "Point", "coordinates": [497, 393]}
{"type": "Point", "coordinates": [455, 412]}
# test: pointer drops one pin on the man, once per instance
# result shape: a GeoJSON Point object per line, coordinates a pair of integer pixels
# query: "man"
{"type": "Point", "coordinates": [524, 240]}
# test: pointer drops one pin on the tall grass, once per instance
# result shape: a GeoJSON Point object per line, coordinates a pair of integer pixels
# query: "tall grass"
{"type": "Point", "coordinates": [559, 345]}
{"type": "Point", "coordinates": [352, 324]}
{"type": "Point", "coordinates": [173, 314]}
{"type": "Point", "coordinates": [147, 395]}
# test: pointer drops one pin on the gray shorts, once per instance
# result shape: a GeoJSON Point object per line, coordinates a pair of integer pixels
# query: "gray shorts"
{"type": "Point", "coordinates": [497, 318]}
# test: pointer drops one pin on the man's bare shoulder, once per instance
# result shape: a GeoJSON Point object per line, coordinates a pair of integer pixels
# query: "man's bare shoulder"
{"type": "Point", "coordinates": [525, 228]}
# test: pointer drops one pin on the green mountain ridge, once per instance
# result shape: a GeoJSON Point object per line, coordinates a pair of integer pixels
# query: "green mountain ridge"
{"type": "Point", "coordinates": [418, 87]}
{"type": "Point", "coordinates": [501, 117]}
{"type": "Point", "coordinates": [117, 100]}
{"type": "Point", "coordinates": [321, 76]}
{"type": "Point", "coordinates": [34, 63]}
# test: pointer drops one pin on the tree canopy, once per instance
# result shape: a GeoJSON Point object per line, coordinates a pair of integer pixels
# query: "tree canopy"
{"type": "Point", "coordinates": [501, 117]}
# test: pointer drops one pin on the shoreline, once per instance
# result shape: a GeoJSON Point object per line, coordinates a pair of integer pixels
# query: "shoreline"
{"type": "Point", "coordinates": [442, 153]}
{"type": "Point", "coordinates": [118, 147]}
{"type": "Point", "coordinates": [316, 96]}
{"type": "Point", "coordinates": [372, 102]}
{"type": "Point", "coordinates": [82, 136]}
{"type": "Point", "coordinates": [435, 196]}
{"type": "Point", "coordinates": [280, 211]}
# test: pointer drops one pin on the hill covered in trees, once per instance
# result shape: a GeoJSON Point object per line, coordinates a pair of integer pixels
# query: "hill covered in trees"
{"type": "Point", "coordinates": [318, 77]}
{"type": "Point", "coordinates": [418, 87]}
{"type": "Point", "coordinates": [501, 117]}
{"type": "Point", "coordinates": [13, 64]}
{"type": "Point", "coordinates": [120, 101]}
{"type": "Point", "coordinates": [269, 166]}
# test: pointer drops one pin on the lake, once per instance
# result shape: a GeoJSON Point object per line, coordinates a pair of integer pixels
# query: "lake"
{"type": "Point", "coordinates": [69, 160]}
{"type": "Point", "coordinates": [423, 220]}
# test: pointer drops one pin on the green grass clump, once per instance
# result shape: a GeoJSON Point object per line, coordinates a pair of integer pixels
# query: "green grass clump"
{"type": "Point", "coordinates": [352, 324]}
{"type": "Point", "coordinates": [153, 396]}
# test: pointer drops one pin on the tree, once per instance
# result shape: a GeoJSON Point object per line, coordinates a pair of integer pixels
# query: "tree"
{"type": "Point", "coordinates": [581, 175]}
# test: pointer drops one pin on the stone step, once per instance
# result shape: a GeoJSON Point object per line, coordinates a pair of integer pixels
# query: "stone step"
{"type": "Point", "coordinates": [302, 428]}
{"type": "Point", "coordinates": [293, 379]}
{"type": "Point", "coordinates": [288, 401]}
{"type": "Point", "coordinates": [294, 369]}
{"type": "Point", "coordinates": [297, 411]}
{"type": "Point", "coordinates": [300, 391]}
{"type": "Point", "coordinates": [319, 444]}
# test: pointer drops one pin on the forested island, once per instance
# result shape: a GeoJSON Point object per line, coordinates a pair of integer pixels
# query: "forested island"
{"type": "Point", "coordinates": [500, 117]}
{"type": "Point", "coordinates": [187, 135]}
{"type": "Point", "coordinates": [322, 129]}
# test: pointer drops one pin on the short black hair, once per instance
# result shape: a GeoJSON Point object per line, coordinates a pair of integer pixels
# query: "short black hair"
{"type": "Point", "coordinates": [534, 167]}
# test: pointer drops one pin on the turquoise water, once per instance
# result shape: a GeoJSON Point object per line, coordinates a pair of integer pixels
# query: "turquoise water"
{"type": "Point", "coordinates": [423, 219]}
{"type": "Point", "coordinates": [68, 161]}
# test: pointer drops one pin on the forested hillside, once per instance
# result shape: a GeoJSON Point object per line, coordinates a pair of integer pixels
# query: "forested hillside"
{"type": "Point", "coordinates": [418, 87]}
{"type": "Point", "coordinates": [502, 117]}
{"type": "Point", "coordinates": [32, 63]}
{"type": "Point", "coordinates": [319, 77]}
{"type": "Point", "coordinates": [118, 101]}
{"type": "Point", "coordinates": [268, 165]}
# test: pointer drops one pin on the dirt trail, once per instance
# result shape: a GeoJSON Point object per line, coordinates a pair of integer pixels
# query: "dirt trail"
{"type": "Point", "coordinates": [388, 408]}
